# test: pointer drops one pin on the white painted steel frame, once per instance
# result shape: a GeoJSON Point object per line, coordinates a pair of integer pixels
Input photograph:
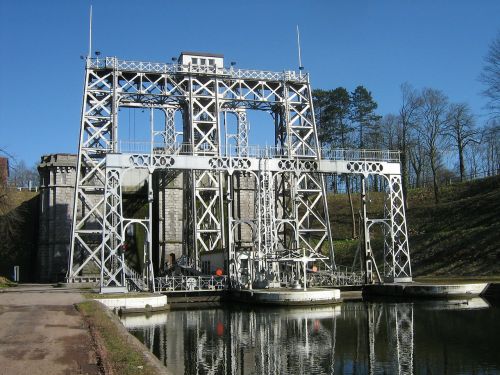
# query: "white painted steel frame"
{"type": "Point", "coordinates": [202, 94]}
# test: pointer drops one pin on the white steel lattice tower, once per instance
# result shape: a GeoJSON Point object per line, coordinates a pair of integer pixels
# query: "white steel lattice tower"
{"type": "Point", "coordinates": [288, 222]}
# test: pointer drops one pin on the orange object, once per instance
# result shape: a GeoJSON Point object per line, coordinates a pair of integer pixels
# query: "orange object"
{"type": "Point", "coordinates": [316, 326]}
{"type": "Point", "coordinates": [220, 329]}
{"type": "Point", "coordinates": [315, 269]}
{"type": "Point", "coordinates": [219, 272]}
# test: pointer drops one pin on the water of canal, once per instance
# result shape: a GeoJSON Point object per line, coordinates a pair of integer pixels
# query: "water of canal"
{"type": "Point", "coordinates": [436, 337]}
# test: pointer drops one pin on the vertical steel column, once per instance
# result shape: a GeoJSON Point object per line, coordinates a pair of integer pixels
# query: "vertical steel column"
{"type": "Point", "coordinates": [401, 267]}
{"type": "Point", "coordinates": [112, 259]}
{"type": "Point", "coordinates": [266, 216]}
{"type": "Point", "coordinates": [308, 194]}
{"type": "Point", "coordinates": [208, 212]}
{"type": "Point", "coordinates": [97, 137]}
{"type": "Point", "coordinates": [368, 254]}
{"type": "Point", "coordinates": [388, 237]}
{"type": "Point", "coordinates": [324, 199]}
{"type": "Point", "coordinates": [170, 132]}
{"type": "Point", "coordinates": [230, 220]}
{"type": "Point", "coordinates": [149, 241]}
{"type": "Point", "coordinates": [243, 129]}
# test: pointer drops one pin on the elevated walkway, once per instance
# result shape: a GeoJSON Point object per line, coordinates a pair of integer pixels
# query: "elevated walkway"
{"type": "Point", "coordinates": [182, 157]}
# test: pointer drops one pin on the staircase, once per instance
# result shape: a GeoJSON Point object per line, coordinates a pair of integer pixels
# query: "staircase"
{"type": "Point", "coordinates": [135, 280]}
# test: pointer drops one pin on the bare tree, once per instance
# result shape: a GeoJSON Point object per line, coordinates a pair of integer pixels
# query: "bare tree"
{"type": "Point", "coordinates": [390, 130]}
{"type": "Point", "coordinates": [483, 157]}
{"type": "Point", "coordinates": [473, 158]}
{"type": "Point", "coordinates": [491, 141]}
{"type": "Point", "coordinates": [417, 157]}
{"type": "Point", "coordinates": [431, 128]}
{"type": "Point", "coordinates": [461, 128]}
{"type": "Point", "coordinates": [408, 115]}
{"type": "Point", "coordinates": [22, 176]}
{"type": "Point", "coordinates": [490, 77]}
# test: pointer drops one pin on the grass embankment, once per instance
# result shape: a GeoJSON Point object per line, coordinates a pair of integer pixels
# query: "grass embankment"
{"type": "Point", "coordinates": [18, 232]}
{"type": "Point", "coordinates": [458, 237]}
{"type": "Point", "coordinates": [120, 352]}
{"type": "Point", "coordinates": [6, 283]}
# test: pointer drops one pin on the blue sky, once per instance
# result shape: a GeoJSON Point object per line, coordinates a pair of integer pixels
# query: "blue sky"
{"type": "Point", "coordinates": [378, 44]}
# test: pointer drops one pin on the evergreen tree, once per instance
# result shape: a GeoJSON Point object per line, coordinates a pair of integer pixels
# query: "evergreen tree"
{"type": "Point", "coordinates": [333, 112]}
{"type": "Point", "coordinates": [332, 108]}
{"type": "Point", "coordinates": [363, 114]}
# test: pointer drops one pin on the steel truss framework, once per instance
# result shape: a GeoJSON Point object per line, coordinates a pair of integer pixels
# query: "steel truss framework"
{"type": "Point", "coordinates": [291, 212]}
{"type": "Point", "coordinates": [397, 264]}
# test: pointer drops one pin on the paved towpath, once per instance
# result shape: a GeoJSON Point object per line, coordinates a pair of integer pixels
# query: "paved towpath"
{"type": "Point", "coordinates": [42, 333]}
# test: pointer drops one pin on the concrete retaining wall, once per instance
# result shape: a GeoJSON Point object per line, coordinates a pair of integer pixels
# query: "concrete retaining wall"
{"type": "Point", "coordinates": [288, 297]}
{"type": "Point", "coordinates": [134, 302]}
{"type": "Point", "coordinates": [425, 290]}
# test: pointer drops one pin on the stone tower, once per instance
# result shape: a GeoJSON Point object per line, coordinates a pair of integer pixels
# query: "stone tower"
{"type": "Point", "coordinates": [57, 186]}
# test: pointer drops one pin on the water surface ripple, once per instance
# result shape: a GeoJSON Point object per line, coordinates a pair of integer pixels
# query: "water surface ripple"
{"type": "Point", "coordinates": [436, 337]}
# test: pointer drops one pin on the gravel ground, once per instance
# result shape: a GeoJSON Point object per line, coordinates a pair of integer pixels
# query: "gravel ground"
{"type": "Point", "coordinates": [41, 332]}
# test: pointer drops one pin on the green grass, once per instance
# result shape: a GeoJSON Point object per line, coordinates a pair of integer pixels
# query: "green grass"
{"type": "Point", "coordinates": [458, 237]}
{"type": "Point", "coordinates": [344, 251]}
{"type": "Point", "coordinates": [6, 283]}
{"type": "Point", "coordinates": [18, 233]}
{"type": "Point", "coordinates": [120, 355]}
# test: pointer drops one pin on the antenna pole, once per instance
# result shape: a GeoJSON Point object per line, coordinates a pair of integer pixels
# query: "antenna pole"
{"type": "Point", "coordinates": [298, 47]}
{"type": "Point", "coordinates": [90, 33]}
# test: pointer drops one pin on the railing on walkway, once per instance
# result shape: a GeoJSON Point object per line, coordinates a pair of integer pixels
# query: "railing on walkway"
{"type": "Point", "coordinates": [190, 283]}
{"type": "Point", "coordinates": [360, 155]}
{"type": "Point", "coordinates": [220, 283]}
{"type": "Point", "coordinates": [135, 281]}
{"type": "Point", "coordinates": [159, 67]}
{"type": "Point", "coordinates": [269, 152]}
{"type": "Point", "coordinates": [337, 278]}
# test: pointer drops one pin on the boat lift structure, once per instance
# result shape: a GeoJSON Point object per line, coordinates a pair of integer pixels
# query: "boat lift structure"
{"type": "Point", "coordinates": [290, 218]}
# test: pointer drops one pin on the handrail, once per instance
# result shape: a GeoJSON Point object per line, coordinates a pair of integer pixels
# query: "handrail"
{"type": "Point", "coordinates": [135, 277]}
{"type": "Point", "coordinates": [190, 283]}
{"type": "Point", "coordinates": [262, 152]}
{"type": "Point", "coordinates": [336, 278]}
{"type": "Point", "coordinates": [220, 283]}
{"type": "Point", "coordinates": [160, 67]}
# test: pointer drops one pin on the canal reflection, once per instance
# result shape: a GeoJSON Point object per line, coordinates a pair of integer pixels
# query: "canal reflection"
{"type": "Point", "coordinates": [351, 338]}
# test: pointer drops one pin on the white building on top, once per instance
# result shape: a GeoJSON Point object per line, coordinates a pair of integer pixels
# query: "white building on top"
{"type": "Point", "coordinates": [202, 59]}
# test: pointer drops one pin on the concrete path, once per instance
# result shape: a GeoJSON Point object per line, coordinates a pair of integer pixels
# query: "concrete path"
{"type": "Point", "coordinates": [42, 333]}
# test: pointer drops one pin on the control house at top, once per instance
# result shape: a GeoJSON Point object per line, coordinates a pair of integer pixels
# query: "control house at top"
{"type": "Point", "coordinates": [202, 59]}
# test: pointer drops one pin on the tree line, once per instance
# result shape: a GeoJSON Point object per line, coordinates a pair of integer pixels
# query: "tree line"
{"type": "Point", "coordinates": [431, 132]}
